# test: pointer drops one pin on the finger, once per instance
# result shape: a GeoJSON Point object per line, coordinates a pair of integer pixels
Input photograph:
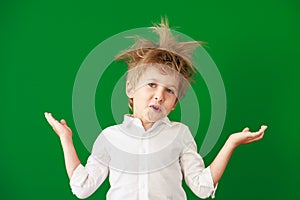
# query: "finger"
{"type": "Point", "coordinates": [246, 129]}
{"type": "Point", "coordinates": [48, 117]}
{"type": "Point", "coordinates": [257, 138]}
{"type": "Point", "coordinates": [258, 133]}
{"type": "Point", "coordinates": [53, 122]}
{"type": "Point", "coordinates": [261, 131]}
{"type": "Point", "coordinates": [261, 136]}
{"type": "Point", "coordinates": [251, 135]}
{"type": "Point", "coordinates": [63, 122]}
{"type": "Point", "coordinates": [263, 128]}
{"type": "Point", "coordinates": [51, 119]}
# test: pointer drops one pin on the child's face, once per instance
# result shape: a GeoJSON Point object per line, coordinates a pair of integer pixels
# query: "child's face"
{"type": "Point", "coordinates": [154, 96]}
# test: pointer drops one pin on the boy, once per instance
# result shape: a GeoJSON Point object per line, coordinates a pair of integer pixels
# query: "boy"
{"type": "Point", "coordinates": [148, 155]}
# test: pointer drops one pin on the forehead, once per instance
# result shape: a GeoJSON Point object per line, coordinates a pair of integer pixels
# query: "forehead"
{"type": "Point", "coordinates": [161, 74]}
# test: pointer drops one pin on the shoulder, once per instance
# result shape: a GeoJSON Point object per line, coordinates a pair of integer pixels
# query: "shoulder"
{"type": "Point", "coordinates": [103, 140]}
{"type": "Point", "coordinates": [179, 125]}
{"type": "Point", "coordinates": [183, 130]}
{"type": "Point", "coordinates": [110, 129]}
{"type": "Point", "coordinates": [107, 132]}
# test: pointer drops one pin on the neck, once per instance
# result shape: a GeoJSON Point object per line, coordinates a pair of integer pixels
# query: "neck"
{"type": "Point", "coordinates": [147, 125]}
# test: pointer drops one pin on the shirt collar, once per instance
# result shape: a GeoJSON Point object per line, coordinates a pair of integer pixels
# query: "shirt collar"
{"type": "Point", "coordinates": [129, 119]}
{"type": "Point", "coordinates": [133, 127]}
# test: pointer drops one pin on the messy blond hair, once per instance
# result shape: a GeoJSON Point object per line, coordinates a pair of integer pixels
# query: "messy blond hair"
{"type": "Point", "coordinates": [168, 51]}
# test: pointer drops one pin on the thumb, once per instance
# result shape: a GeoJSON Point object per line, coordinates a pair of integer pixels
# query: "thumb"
{"type": "Point", "coordinates": [263, 128]}
{"type": "Point", "coordinates": [63, 122]}
{"type": "Point", "coordinates": [246, 129]}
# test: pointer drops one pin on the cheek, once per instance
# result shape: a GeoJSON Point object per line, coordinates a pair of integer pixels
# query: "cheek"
{"type": "Point", "coordinates": [141, 98]}
{"type": "Point", "coordinates": [171, 102]}
{"type": "Point", "coordinates": [146, 94]}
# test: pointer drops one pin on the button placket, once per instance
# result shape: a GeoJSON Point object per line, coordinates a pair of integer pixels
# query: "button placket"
{"type": "Point", "coordinates": [143, 176]}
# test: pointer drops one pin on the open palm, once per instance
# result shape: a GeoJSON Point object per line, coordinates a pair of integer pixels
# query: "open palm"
{"type": "Point", "coordinates": [246, 136]}
{"type": "Point", "coordinates": [61, 128]}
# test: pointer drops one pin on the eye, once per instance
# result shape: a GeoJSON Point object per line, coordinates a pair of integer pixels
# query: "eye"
{"type": "Point", "coordinates": [152, 85]}
{"type": "Point", "coordinates": [170, 91]}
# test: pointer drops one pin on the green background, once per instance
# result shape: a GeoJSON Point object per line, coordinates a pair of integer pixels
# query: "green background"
{"type": "Point", "coordinates": [255, 45]}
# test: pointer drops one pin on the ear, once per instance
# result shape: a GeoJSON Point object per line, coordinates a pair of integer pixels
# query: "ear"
{"type": "Point", "coordinates": [129, 89]}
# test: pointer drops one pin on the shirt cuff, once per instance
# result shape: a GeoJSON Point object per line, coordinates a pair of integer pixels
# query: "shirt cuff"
{"type": "Point", "coordinates": [212, 183]}
{"type": "Point", "coordinates": [79, 176]}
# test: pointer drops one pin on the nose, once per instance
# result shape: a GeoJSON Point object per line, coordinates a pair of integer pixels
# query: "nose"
{"type": "Point", "coordinates": [159, 94]}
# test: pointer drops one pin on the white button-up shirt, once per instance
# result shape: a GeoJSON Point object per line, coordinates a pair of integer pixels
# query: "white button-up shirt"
{"type": "Point", "coordinates": [144, 165]}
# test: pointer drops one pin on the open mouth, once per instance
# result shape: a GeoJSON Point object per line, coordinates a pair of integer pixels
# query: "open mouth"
{"type": "Point", "coordinates": [155, 108]}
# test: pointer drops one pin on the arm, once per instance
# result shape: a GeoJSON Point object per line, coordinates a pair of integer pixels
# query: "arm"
{"type": "Point", "coordinates": [65, 136]}
{"type": "Point", "coordinates": [219, 164]}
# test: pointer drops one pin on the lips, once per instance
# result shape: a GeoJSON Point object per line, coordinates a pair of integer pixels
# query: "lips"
{"type": "Point", "coordinates": [156, 108]}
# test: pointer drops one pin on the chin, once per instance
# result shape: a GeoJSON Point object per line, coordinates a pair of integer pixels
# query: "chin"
{"type": "Point", "coordinates": [153, 117]}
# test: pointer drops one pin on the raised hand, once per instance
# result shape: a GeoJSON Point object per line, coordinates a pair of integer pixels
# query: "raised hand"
{"type": "Point", "coordinates": [246, 136]}
{"type": "Point", "coordinates": [220, 162]}
{"type": "Point", "coordinates": [61, 128]}
{"type": "Point", "coordinates": [65, 134]}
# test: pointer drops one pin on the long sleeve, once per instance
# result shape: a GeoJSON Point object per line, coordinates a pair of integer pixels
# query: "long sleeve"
{"type": "Point", "coordinates": [86, 179]}
{"type": "Point", "coordinates": [196, 176]}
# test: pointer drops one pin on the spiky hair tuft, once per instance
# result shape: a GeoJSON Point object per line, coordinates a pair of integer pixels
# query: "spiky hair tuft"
{"type": "Point", "coordinates": [178, 54]}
